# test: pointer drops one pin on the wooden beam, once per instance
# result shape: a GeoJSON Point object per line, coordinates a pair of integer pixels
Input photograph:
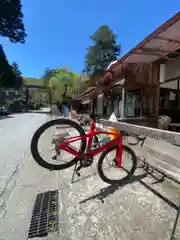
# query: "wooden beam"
{"type": "Point", "coordinates": [167, 39]}
{"type": "Point", "coordinates": [154, 54]}
{"type": "Point", "coordinates": [151, 50]}
{"type": "Point", "coordinates": [154, 50]}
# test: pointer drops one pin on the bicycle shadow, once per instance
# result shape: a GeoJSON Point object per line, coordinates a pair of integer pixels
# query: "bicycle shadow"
{"type": "Point", "coordinates": [109, 190]}
{"type": "Point", "coordinates": [85, 177]}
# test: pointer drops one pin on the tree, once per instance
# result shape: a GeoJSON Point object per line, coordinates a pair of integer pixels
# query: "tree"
{"type": "Point", "coordinates": [61, 79]}
{"type": "Point", "coordinates": [48, 73]}
{"type": "Point", "coordinates": [11, 26]}
{"type": "Point", "coordinates": [18, 74]}
{"type": "Point", "coordinates": [103, 51]}
{"type": "Point", "coordinates": [16, 69]}
{"type": "Point", "coordinates": [11, 21]}
{"type": "Point", "coordinates": [7, 76]}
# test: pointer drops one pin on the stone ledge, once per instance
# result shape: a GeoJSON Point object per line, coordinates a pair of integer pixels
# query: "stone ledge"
{"type": "Point", "coordinates": [164, 156]}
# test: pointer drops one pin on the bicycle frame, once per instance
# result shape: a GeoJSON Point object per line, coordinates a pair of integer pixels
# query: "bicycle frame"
{"type": "Point", "coordinates": [92, 152]}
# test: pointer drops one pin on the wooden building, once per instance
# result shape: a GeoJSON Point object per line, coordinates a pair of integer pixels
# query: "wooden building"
{"type": "Point", "coordinates": [142, 77]}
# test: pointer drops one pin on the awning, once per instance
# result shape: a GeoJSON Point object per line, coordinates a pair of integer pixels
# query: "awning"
{"type": "Point", "coordinates": [163, 43]}
{"type": "Point", "coordinates": [86, 92]}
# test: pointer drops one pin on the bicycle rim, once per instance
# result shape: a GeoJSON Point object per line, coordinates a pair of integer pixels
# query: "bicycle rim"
{"type": "Point", "coordinates": [63, 124]}
{"type": "Point", "coordinates": [107, 165]}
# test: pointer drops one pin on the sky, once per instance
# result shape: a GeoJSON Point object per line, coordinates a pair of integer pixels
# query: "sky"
{"type": "Point", "coordinates": [59, 30]}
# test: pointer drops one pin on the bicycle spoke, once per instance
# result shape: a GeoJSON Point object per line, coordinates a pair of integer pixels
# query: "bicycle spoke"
{"type": "Point", "coordinates": [111, 173]}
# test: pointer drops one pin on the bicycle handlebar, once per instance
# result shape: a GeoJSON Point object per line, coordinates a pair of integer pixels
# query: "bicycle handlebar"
{"type": "Point", "coordinates": [138, 138]}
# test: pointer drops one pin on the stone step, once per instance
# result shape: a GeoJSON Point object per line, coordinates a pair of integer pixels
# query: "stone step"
{"type": "Point", "coordinates": [159, 154]}
{"type": "Point", "coordinates": [165, 151]}
{"type": "Point", "coordinates": [165, 168]}
{"type": "Point", "coordinates": [161, 162]}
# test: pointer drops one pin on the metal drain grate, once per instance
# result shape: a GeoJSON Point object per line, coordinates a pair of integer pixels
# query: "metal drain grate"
{"type": "Point", "coordinates": [45, 214]}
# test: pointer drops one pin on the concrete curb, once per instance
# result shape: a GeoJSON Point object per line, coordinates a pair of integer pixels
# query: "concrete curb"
{"type": "Point", "coordinates": [157, 151]}
{"type": "Point", "coordinates": [163, 150]}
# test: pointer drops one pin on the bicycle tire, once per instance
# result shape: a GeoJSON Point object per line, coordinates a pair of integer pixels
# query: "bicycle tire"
{"type": "Point", "coordinates": [41, 130]}
{"type": "Point", "coordinates": [130, 173]}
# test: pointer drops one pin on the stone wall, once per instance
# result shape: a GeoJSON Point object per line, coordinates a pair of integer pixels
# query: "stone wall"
{"type": "Point", "coordinates": [171, 137]}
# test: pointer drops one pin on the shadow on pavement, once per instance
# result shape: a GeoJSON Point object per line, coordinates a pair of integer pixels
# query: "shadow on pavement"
{"type": "Point", "coordinates": [85, 177]}
{"type": "Point", "coordinates": [6, 117]}
{"type": "Point", "coordinates": [165, 199]}
{"type": "Point", "coordinates": [107, 191]}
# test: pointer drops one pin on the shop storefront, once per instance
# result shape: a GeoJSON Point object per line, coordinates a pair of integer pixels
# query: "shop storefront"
{"type": "Point", "coordinates": [169, 90]}
{"type": "Point", "coordinates": [151, 72]}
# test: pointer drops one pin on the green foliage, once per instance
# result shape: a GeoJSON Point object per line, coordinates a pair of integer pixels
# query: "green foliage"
{"type": "Point", "coordinates": [11, 21]}
{"type": "Point", "coordinates": [60, 80]}
{"type": "Point", "coordinates": [18, 74]}
{"type": "Point", "coordinates": [48, 73]}
{"type": "Point", "coordinates": [33, 81]}
{"type": "Point", "coordinates": [84, 85]}
{"type": "Point", "coordinates": [7, 76]}
{"type": "Point", "coordinates": [103, 51]}
{"type": "Point", "coordinates": [16, 69]}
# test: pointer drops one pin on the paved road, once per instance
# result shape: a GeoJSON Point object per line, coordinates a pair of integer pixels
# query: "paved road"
{"type": "Point", "coordinates": [144, 208]}
{"type": "Point", "coordinates": [15, 135]}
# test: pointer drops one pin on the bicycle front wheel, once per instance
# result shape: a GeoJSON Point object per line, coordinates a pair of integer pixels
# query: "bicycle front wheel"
{"type": "Point", "coordinates": [107, 165]}
{"type": "Point", "coordinates": [51, 157]}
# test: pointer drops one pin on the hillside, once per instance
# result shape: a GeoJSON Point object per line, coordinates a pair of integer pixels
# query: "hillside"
{"type": "Point", "coordinates": [32, 81]}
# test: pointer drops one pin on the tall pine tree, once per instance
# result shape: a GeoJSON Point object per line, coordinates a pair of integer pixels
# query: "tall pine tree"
{"type": "Point", "coordinates": [103, 51]}
{"type": "Point", "coordinates": [12, 27]}
{"type": "Point", "coordinates": [11, 21]}
{"type": "Point", "coordinates": [7, 76]}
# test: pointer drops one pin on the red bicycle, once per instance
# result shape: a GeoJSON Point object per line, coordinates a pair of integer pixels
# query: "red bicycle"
{"type": "Point", "coordinates": [83, 153]}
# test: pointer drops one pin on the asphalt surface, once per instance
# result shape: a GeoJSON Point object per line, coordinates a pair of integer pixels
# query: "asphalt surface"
{"type": "Point", "coordinates": [15, 135]}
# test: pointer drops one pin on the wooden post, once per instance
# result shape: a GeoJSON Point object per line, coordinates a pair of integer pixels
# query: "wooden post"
{"type": "Point", "coordinates": [123, 102]}
{"type": "Point", "coordinates": [177, 94]}
{"type": "Point", "coordinates": [141, 99]}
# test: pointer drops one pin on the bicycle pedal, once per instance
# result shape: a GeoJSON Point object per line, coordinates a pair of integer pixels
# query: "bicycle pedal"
{"type": "Point", "coordinates": [101, 199]}
{"type": "Point", "coordinates": [114, 162]}
{"type": "Point", "coordinates": [52, 169]}
{"type": "Point", "coordinates": [78, 173]}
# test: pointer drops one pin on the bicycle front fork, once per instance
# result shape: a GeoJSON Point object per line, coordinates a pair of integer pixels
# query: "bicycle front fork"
{"type": "Point", "coordinates": [119, 154]}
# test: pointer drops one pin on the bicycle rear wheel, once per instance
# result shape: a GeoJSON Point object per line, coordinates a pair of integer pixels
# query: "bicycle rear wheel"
{"type": "Point", "coordinates": [64, 125]}
{"type": "Point", "coordinates": [111, 174]}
